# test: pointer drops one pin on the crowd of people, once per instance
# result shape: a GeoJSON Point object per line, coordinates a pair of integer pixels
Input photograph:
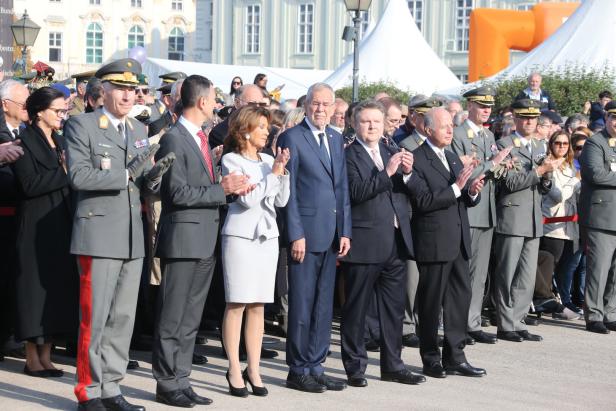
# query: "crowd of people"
{"type": "Point", "coordinates": [130, 221]}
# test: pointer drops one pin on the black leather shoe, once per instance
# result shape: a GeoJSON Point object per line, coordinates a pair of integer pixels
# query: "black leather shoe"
{"type": "Point", "coordinates": [199, 359]}
{"type": "Point", "coordinates": [256, 390]}
{"type": "Point", "coordinates": [509, 336]}
{"type": "Point", "coordinates": [132, 365]}
{"type": "Point", "coordinates": [410, 340]}
{"type": "Point", "coordinates": [38, 373]}
{"type": "Point", "coordinates": [55, 373]}
{"type": "Point", "coordinates": [531, 320]}
{"type": "Point", "coordinates": [305, 383]}
{"type": "Point", "coordinates": [175, 398]}
{"type": "Point", "coordinates": [119, 403]}
{"type": "Point", "coordinates": [483, 337]}
{"type": "Point", "coordinates": [469, 340]}
{"type": "Point", "coordinates": [95, 404]}
{"type": "Point", "coordinates": [357, 380]}
{"type": "Point", "coordinates": [434, 370]}
{"type": "Point", "coordinates": [265, 353]}
{"type": "Point", "coordinates": [610, 325]}
{"type": "Point", "coordinates": [597, 327]}
{"type": "Point", "coordinates": [372, 346]}
{"type": "Point", "coordinates": [332, 384]}
{"type": "Point", "coordinates": [529, 337]}
{"type": "Point", "coordinates": [236, 391]}
{"type": "Point", "coordinates": [403, 376]}
{"type": "Point", "coordinates": [196, 398]}
{"type": "Point", "coordinates": [200, 340]}
{"type": "Point", "coordinates": [466, 370]}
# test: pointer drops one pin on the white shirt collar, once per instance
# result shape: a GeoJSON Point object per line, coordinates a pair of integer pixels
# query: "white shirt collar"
{"type": "Point", "coordinates": [316, 132]}
{"type": "Point", "coordinates": [476, 129]}
{"type": "Point", "coordinates": [114, 120]}
{"type": "Point", "coordinates": [435, 148]}
{"type": "Point", "coordinates": [424, 138]}
{"type": "Point", "coordinates": [338, 129]}
{"type": "Point", "coordinates": [523, 140]}
{"type": "Point", "coordinates": [369, 149]}
{"type": "Point", "coordinates": [191, 128]}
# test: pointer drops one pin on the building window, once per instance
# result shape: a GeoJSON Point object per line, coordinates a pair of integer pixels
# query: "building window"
{"type": "Point", "coordinates": [253, 28]}
{"type": "Point", "coordinates": [463, 13]}
{"type": "Point", "coordinates": [136, 3]}
{"type": "Point", "coordinates": [416, 8]}
{"type": "Point", "coordinates": [210, 40]}
{"type": "Point", "coordinates": [95, 2]}
{"type": "Point", "coordinates": [55, 46]}
{"type": "Point", "coordinates": [176, 44]}
{"type": "Point", "coordinates": [54, 1]}
{"type": "Point", "coordinates": [462, 77]}
{"type": "Point", "coordinates": [136, 37]}
{"type": "Point", "coordinates": [365, 23]}
{"type": "Point", "coordinates": [176, 4]}
{"type": "Point", "coordinates": [305, 23]}
{"type": "Point", "coordinates": [94, 44]}
{"type": "Point", "coordinates": [525, 6]}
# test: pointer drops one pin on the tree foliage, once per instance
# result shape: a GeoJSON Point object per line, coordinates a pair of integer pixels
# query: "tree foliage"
{"type": "Point", "coordinates": [368, 90]}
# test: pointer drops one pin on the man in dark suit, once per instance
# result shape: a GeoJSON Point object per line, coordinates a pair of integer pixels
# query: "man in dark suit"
{"type": "Point", "coordinates": [318, 227]}
{"type": "Point", "coordinates": [442, 242]}
{"type": "Point", "coordinates": [382, 243]}
{"type": "Point", "coordinates": [188, 231]}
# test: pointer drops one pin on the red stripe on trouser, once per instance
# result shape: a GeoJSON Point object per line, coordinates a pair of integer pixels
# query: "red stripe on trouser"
{"type": "Point", "coordinates": [84, 378]}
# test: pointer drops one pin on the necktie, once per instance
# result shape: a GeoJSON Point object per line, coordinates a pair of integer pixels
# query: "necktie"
{"type": "Point", "coordinates": [441, 155]}
{"type": "Point", "coordinates": [205, 150]}
{"type": "Point", "coordinates": [324, 153]}
{"type": "Point", "coordinates": [121, 131]}
{"type": "Point", "coordinates": [378, 162]}
{"type": "Point", "coordinates": [16, 132]}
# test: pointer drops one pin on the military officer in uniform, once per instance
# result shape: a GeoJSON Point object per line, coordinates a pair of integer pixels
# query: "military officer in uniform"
{"type": "Point", "coordinates": [597, 216]}
{"type": "Point", "coordinates": [81, 81]}
{"type": "Point", "coordinates": [418, 106]}
{"type": "Point", "coordinates": [109, 167]}
{"type": "Point", "coordinates": [520, 223]}
{"type": "Point", "coordinates": [166, 119]}
{"type": "Point", "coordinates": [471, 139]}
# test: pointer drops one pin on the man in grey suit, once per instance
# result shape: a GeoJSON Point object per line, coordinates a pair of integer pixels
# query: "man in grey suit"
{"type": "Point", "coordinates": [108, 156]}
{"type": "Point", "coordinates": [187, 236]}
{"type": "Point", "coordinates": [598, 168]}
{"type": "Point", "coordinates": [471, 139]}
{"type": "Point", "coordinates": [520, 223]}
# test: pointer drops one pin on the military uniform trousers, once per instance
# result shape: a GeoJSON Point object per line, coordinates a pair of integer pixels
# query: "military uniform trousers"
{"type": "Point", "coordinates": [600, 292]}
{"type": "Point", "coordinates": [412, 279]}
{"type": "Point", "coordinates": [481, 244]}
{"type": "Point", "coordinates": [107, 302]}
{"type": "Point", "coordinates": [514, 279]}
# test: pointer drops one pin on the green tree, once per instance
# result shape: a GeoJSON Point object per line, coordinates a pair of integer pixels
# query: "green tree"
{"type": "Point", "coordinates": [368, 90]}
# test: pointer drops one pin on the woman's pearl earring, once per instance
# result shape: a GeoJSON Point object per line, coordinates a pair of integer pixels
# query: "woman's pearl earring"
{"type": "Point", "coordinates": [247, 136]}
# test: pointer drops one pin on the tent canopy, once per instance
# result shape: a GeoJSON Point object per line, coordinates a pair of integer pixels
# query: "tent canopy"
{"type": "Point", "coordinates": [414, 67]}
{"type": "Point", "coordinates": [296, 81]}
{"type": "Point", "coordinates": [584, 40]}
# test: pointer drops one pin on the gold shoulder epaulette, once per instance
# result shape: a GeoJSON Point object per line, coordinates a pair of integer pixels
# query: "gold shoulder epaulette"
{"type": "Point", "coordinates": [103, 122]}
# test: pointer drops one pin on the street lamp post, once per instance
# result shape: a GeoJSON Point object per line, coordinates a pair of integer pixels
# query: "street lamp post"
{"type": "Point", "coordinates": [25, 32]}
{"type": "Point", "coordinates": [355, 6]}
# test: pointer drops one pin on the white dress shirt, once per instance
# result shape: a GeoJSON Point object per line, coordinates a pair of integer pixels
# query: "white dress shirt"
{"type": "Point", "coordinates": [192, 129]}
{"type": "Point", "coordinates": [440, 153]}
{"type": "Point", "coordinates": [316, 132]}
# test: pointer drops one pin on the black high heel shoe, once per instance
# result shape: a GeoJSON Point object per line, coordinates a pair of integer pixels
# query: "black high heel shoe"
{"type": "Point", "coordinates": [258, 391]}
{"type": "Point", "coordinates": [236, 392]}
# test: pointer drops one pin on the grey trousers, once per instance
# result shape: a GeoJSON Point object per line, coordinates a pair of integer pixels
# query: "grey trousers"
{"type": "Point", "coordinates": [514, 279]}
{"type": "Point", "coordinates": [412, 279]}
{"type": "Point", "coordinates": [481, 244]}
{"type": "Point", "coordinates": [181, 298]}
{"type": "Point", "coordinates": [107, 302]}
{"type": "Point", "coordinates": [600, 294]}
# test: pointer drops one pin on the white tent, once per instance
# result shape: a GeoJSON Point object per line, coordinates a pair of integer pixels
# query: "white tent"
{"type": "Point", "coordinates": [396, 51]}
{"type": "Point", "coordinates": [296, 81]}
{"type": "Point", "coordinates": [584, 40]}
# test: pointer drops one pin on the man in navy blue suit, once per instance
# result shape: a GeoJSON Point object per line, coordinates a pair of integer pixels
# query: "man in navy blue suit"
{"type": "Point", "coordinates": [318, 228]}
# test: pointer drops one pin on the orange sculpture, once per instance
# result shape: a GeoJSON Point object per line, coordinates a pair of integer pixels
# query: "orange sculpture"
{"type": "Point", "coordinates": [493, 33]}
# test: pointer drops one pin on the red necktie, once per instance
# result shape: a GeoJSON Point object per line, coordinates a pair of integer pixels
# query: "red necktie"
{"type": "Point", "coordinates": [205, 150]}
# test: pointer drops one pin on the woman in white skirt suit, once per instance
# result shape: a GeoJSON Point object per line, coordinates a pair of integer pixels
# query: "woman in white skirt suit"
{"type": "Point", "coordinates": [250, 241]}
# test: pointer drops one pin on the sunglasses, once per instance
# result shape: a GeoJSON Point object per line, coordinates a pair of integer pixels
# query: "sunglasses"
{"type": "Point", "coordinates": [561, 143]}
{"type": "Point", "coordinates": [239, 83]}
{"type": "Point", "coordinates": [578, 148]}
{"type": "Point", "coordinates": [143, 91]}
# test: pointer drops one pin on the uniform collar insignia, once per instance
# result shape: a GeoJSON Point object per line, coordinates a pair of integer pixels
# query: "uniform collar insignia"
{"type": "Point", "coordinates": [517, 143]}
{"type": "Point", "coordinates": [470, 133]}
{"type": "Point", "coordinates": [612, 142]}
{"type": "Point", "coordinates": [103, 122]}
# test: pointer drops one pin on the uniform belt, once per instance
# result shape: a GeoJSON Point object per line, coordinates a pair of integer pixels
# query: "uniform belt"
{"type": "Point", "coordinates": [563, 219]}
{"type": "Point", "coordinates": [8, 211]}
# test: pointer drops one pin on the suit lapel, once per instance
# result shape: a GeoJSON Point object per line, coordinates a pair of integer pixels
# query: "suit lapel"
{"type": "Point", "coordinates": [42, 152]}
{"type": "Point", "coordinates": [190, 141]}
{"type": "Point", "coordinates": [364, 157]}
{"type": "Point", "coordinates": [309, 136]}
{"type": "Point", "coordinates": [436, 162]}
{"type": "Point", "coordinates": [454, 163]}
{"type": "Point", "coordinates": [112, 134]}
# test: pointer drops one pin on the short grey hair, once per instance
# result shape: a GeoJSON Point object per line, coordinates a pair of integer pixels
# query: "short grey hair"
{"type": "Point", "coordinates": [533, 74]}
{"type": "Point", "coordinates": [367, 105]}
{"type": "Point", "coordinates": [242, 90]}
{"type": "Point", "coordinates": [319, 87]}
{"type": "Point", "coordinates": [6, 88]}
{"type": "Point", "coordinates": [430, 117]}
{"type": "Point", "coordinates": [544, 120]}
{"type": "Point", "coordinates": [295, 116]}
{"type": "Point", "coordinates": [176, 89]}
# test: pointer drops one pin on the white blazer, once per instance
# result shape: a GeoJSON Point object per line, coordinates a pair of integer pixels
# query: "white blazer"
{"type": "Point", "coordinates": [253, 215]}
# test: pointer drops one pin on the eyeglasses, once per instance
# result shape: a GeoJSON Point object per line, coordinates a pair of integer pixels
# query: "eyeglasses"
{"type": "Point", "coordinates": [578, 148]}
{"type": "Point", "coordinates": [239, 83]}
{"type": "Point", "coordinates": [561, 143]}
{"type": "Point", "coordinates": [17, 103]}
{"type": "Point", "coordinates": [59, 111]}
{"type": "Point", "coordinates": [144, 91]}
{"type": "Point", "coordinates": [254, 103]}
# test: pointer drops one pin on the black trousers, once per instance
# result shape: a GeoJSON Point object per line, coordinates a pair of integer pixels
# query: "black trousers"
{"type": "Point", "coordinates": [447, 286]}
{"type": "Point", "coordinates": [362, 281]}
{"type": "Point", "coordinates": [181, 298]}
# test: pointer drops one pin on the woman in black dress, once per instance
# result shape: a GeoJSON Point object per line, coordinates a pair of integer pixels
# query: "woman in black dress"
{"type": "Point", "coordinates": [47, 280]}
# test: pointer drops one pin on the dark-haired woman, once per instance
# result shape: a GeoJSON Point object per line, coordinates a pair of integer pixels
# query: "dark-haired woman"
{"type": "Point", "coordinates": [236, 83]}
{"type": "Point", "coordinates": [261, 81]}
{"type": "Point", "coordinates": [250, 241]}
{"type": "Point", "coordinates": [47, 280]}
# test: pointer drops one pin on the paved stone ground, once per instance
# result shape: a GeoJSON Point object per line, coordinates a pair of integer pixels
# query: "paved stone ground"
{"type": "Point", "coordinates": [570, 370]}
